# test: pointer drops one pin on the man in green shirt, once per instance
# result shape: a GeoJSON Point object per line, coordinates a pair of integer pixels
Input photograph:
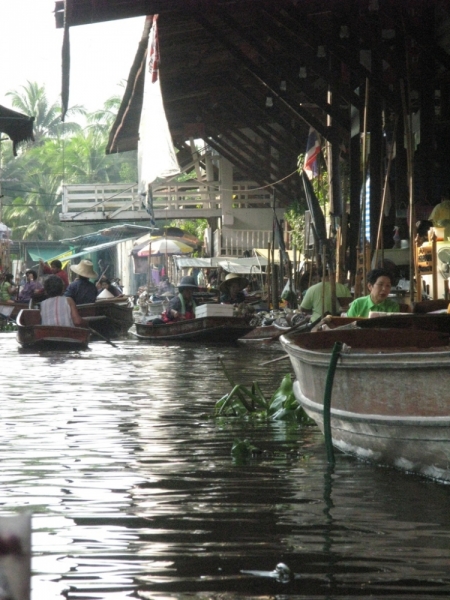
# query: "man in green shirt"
{"type": "Point", "coordinates": [379, 284]}
{"type": "Point", "coordinates": [317, 305]}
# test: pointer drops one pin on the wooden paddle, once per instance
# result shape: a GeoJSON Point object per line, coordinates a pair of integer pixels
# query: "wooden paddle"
{"type": "Point", "coordinates": [267, 362]}
{"type": "Point", "coordinates": [95, 332]}
{"type": "Point", "coordinates": [298, 328]}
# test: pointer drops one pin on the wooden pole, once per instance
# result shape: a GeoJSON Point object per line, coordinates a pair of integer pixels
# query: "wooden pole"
{"type": "Point", "coordinates": [269, 274]}
{"type": "Point", "coordinates": [324, 272]}
{"type": "Point", "coordinates": [434, 273]}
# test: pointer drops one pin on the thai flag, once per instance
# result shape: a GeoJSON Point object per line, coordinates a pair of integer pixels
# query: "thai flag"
{"type": "Point", "coordinates": [154, 58]}
{"type": "Point", "coordinates": [311, 165]}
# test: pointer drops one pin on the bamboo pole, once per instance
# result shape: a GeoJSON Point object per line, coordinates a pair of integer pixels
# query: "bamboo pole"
{"type": "Point", "coordinates": [385, 187]}
{"type": "Point", "coordinates": [410, 170]}
{"type": "Point", "coordinates": [362, 236]}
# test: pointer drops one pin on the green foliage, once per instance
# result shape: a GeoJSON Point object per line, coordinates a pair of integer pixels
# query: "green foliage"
{"type": "Point", "coordinates": [295, 216]}
{"type": "Point", "coordinates": [32, 100]}
{"type": "Point", "coordinates": [62, 152]}
{"type": "Point", "coordinates": [196, 227]}
{"type": "Point", "coordinates": [241, 401]}
{"type": "Point", "coordinates": [241, 450]}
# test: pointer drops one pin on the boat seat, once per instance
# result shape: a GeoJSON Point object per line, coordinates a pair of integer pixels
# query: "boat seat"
{"type": "Point", "coordinates": [429, 306]}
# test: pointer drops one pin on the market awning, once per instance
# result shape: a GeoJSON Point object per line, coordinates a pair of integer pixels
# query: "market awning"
{"type": "Point", "coordinates": [265, 253]}
{"type": "Point", "coordinates": [231, 265]}
{"type": "Point", "coordinates": [189, 262]}
{"type": "Point", "coordinates": [48, 254]}
{"type": "Point", "coordinates": [247, 266]}
{"type": "Point", "coordinates": [99, 247]}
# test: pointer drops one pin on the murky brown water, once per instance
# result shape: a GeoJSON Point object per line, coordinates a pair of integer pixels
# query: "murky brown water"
{"type": "Point", "coordinates": [135, 495]}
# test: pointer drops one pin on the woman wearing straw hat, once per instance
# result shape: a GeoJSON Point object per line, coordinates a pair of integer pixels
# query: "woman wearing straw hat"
{"type": "Point", "coordinates": [232, 288]}
{"type": "Point", "coordinates": [82, 290]}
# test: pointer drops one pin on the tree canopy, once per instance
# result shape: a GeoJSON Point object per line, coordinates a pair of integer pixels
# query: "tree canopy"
{"type": "Point", "coordinates": [66, 152]}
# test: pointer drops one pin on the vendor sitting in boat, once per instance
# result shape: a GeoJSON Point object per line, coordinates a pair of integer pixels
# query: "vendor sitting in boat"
{"type": "Point", "coordinates": [379, 282]}
{"type": "Point", "coordinates": [82, 291]}
{"type": "Point", "coordinates": [182, 306]}
{"type": "Point", "coordinates": [55, 268]}
{"type": "Point", "coordinates": [59, 310]}
{"type": "Point", "coordinates": [232, 289]}
{"type": "Point", "coordinates": [166, 287]}
{"type": "Point", "coordinates": [106, 284]}
{"type": "Point", "coordinates": [31, 287]}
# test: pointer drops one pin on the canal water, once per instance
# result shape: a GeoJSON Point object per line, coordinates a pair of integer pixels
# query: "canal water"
{"type": "Point", "coordinates": [135, 494]}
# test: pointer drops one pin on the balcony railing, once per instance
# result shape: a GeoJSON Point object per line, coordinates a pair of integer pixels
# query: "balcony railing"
{"type": "Point", "coordinates": [98, 202]}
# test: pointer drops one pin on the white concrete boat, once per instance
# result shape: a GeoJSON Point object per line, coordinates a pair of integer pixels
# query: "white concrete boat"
{"type": "Point", "coordinates": [390, 402]}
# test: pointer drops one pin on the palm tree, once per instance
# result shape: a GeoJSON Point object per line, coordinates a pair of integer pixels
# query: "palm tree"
{"type": "Point", "coordinates": [104, 118]}
{"type": "Point", "coordinates": [32, 101]}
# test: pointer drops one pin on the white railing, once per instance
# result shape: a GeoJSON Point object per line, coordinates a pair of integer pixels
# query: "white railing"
{"type": "Point", "coordinates": [236, 242]}
{"type": "Point", "coordinates": [97, 201]}
{"type": "Point", "coordinates": [100, 198]}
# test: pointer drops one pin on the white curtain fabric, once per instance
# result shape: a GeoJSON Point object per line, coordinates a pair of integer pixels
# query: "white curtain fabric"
{"type": "Point", "coordinates": [156, 154]}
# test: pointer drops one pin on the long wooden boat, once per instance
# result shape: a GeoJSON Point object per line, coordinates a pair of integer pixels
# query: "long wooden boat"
{"type": "Point", "coordinates": [420, 321]}
{"type": "Point", "coordinates": [259, 334]}
{"type": "Point", "coordinates": [8, 310]}
{"type": "Point", "coordinates": [211, 329]}
{"type": "Point", "coordinates": [389, 400]}
{"type": "Point", "coordinates": [111, 318]}
{"type": "Point", "coordinates": [31, 334]}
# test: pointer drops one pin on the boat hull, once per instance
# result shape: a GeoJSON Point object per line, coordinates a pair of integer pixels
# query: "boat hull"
{"type": "Point", "coordinates": [111, 318]}
{"type": "Point", "coordinates": [30, 334]}
{"type": "Point", "coordinates": [10, 311]}
{"type": "Point", "coordinates": [205, 329]}
{"type": "Point", "coordinates": [388, 406]}
{"type": "Point", "coordinates": [260, 334]}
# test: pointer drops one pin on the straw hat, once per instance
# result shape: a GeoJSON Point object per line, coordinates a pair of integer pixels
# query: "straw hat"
{"type": "Point", "coordinates": [187, 282]}
{"type": "Point", "coordinates": [233, 278]}
{"type": "Point", "coordinates": [84, 269]}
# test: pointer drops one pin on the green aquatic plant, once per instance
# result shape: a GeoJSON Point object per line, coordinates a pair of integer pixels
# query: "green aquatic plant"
{"type": "Point", "coordinates": [241, 401]}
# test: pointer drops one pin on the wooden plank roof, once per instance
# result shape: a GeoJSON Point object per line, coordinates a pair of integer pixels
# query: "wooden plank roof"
{"type": "Point", "coordinates": [222, 59]}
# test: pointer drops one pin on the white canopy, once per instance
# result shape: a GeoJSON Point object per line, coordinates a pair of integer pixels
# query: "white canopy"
{"type": "Point", "coordinates": [231, 265]}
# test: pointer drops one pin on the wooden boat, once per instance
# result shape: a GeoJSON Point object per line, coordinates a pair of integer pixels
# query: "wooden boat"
{"type": "Point", "coordinates": [389, 400]}
{"type": "Point", "coordinates": [10, 311]}
{"type": "Point", "coordinates": [31, 334]}
{"type": "Point", "coordinates": [259, 334]}
{"type": "Point", "coordinates": [111, 318]}
{"type": "Point", "coordinates": [420, 321]}
{"type": "Point", "coordinates": [211, 329]}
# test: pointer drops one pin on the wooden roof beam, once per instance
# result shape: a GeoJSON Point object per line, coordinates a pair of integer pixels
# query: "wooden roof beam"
{"type": "Point", "coordinates": [277, 71]}
{"type": "Point", "coordinates": [290, 20]}
{"type": "Point", "coordinates": [294, 108]}
{"type": "Point", "coordinates": [305, 56]}
{"type": "Point", "coordinates": [261, 177]}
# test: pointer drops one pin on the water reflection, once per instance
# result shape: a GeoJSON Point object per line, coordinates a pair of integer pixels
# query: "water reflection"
{"type": "Point", "coordinates": [134, 492]}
